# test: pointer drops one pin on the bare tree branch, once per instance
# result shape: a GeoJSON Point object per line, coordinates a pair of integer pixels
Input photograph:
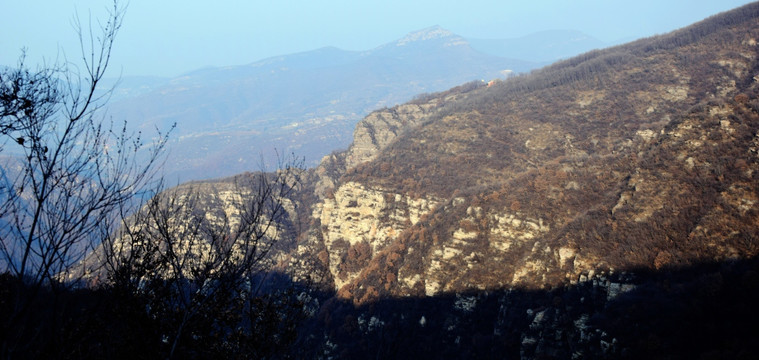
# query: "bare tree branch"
{"type": "Point", "coordinates": [68, 171]}
{"type": "Point", "coordinates": [193, 253]}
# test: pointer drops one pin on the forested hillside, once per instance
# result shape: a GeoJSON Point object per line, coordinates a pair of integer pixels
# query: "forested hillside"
{"type": "Point", "coordinates": [593, 173]}
{"type": "Point", "coordinates": [622, 156]}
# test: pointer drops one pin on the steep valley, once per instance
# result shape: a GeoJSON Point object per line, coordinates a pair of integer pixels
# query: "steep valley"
{"type": "Point", "coordinates": [605, 206]}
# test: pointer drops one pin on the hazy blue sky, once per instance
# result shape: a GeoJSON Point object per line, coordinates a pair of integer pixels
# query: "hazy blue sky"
{"type": "Point", "coordinates": [170, 37]}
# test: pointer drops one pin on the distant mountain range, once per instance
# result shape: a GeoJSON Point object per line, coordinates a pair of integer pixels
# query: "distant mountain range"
{"type": "Point", "coordinates": [230, 118]}
{"type": "Point", "coordinates": [544, 46]}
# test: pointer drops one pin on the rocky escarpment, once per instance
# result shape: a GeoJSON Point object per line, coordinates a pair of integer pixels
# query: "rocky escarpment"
{"type": "Point", "coordinates": [378, 130]}
{"type": "Point", "coordinates": [355, 222]}
{"type": "Point", "coordinates": [371, 135]}
{"type": "Point", "coordinates": [251, 218]}
{"type": "Point", "coordinates": [493, 188]}
{"type": "Point", "coordinates": [685, 195]}
{"type": "Point", "coordinates": [360, 222]}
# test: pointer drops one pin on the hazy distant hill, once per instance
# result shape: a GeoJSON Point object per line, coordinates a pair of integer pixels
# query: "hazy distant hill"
{"type": "Point", "coordinates": [545, 46]}
{"type": "Point", "coordinates": [307, 103]}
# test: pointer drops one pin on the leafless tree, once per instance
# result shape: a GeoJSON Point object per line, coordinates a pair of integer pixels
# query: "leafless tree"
{"type": "Point", "coordinates": [66, 170]}
{"type": "Point", "coordinates": [80, 204]}
{"type": "Point", "coordinates": [199, 254]}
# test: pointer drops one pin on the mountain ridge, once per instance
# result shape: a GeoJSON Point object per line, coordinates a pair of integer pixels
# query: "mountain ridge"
{"type": "Point", "coordinates": [432, 33]}
{"type": "Point", "coordinates": [471, 182]}
{"type": "Point", "coordinates": [544, 46]}
{"type": "Point", "coordinates": [322, 93]}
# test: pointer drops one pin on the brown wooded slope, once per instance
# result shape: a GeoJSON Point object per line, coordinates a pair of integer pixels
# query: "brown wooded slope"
{"type": "Point", "coordinates": [641, 155]}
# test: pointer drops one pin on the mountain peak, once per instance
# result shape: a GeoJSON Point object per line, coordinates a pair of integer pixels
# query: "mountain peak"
{"type": "Point", "coordinates": [432, 33]}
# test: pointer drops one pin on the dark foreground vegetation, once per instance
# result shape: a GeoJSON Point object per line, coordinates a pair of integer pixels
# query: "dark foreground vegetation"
{"type": "Point", "coordinates": [707, 311]}
{"type": "Point", "coordinates": [114, 322]}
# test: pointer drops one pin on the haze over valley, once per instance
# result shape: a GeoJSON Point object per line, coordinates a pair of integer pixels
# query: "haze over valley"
{"type": "Point", "coordinates": [309, 103]}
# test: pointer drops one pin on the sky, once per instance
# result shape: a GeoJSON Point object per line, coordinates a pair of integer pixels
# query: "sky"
{"type": "Point", "coordinates": [171, 37]}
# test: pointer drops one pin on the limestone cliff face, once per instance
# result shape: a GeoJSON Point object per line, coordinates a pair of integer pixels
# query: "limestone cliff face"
{"type": "Point", "coordinates": [354, 221]}
{"type": "Point", "coordinates": [380, 128]}
{"type": "Point", "coordinates": [371, 135]}
{"type": "Point", "coordinates": [359, 222]}
{"type": "Point", "coordinates": [193, 217]}
{"type": "Point", "coordinates": [377, 131]}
